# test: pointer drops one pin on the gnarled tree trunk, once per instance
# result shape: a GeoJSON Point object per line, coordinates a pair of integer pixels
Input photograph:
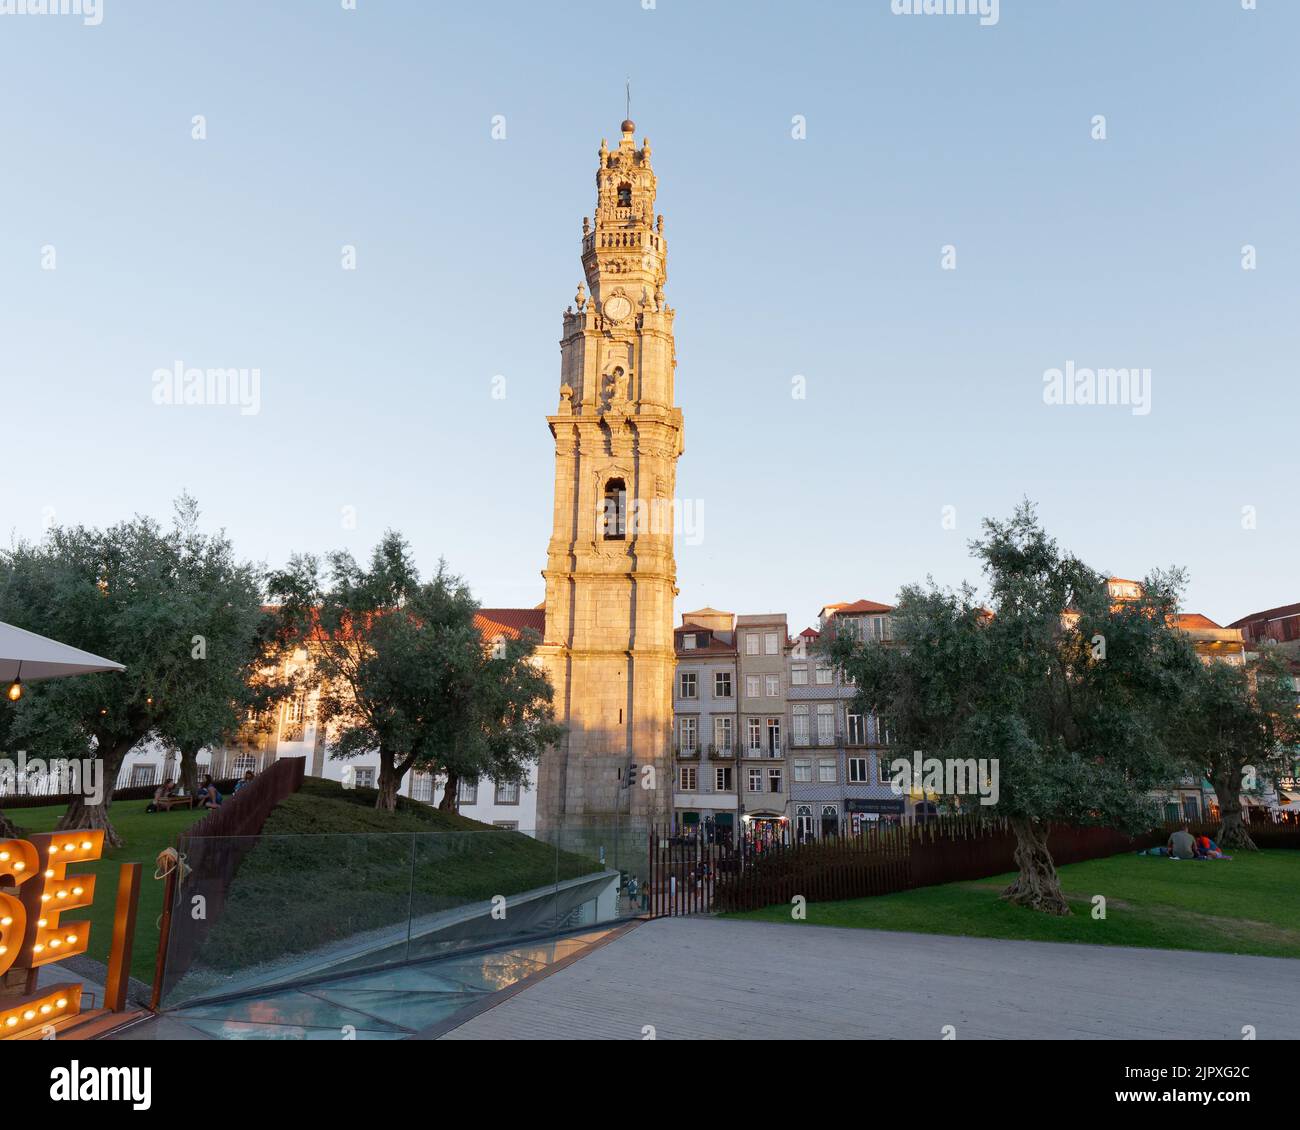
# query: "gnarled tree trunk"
{"type": "Point", "coordinates": [8, 829]}
{"type": "Point", "coordinates": [190, 769]}
{"type": "Point", "coordinates": [84, 811]}
{"type": "Point", "coordinates": [389, 779]}
{"type": "Point", "coordinates": [1232, 827]}
{"type": "Point", "coordinates": [450, 794]}
{"type": "Point", "coordinates": [1038, 886]}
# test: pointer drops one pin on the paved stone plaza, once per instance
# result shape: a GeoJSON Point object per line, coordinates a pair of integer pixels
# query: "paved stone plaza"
{"type": "Point", "coordinates": [705, 978]}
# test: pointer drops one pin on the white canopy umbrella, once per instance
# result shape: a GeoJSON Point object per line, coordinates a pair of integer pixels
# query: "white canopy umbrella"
{"type": "Point", "coordinates": [26, 655]}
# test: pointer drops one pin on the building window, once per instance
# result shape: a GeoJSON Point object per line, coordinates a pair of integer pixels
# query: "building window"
{"type": "Point", "coordinates": [688, 641]}
{"type": "Point", "coordinates": [625, 196]}
{"type": "Point", "coordinates": [771, 645]}
{"type": "Point", "coordinates": [722, 734]}
{"type": "Point", "coordinates": [800, 725]}
{"type": "Point", "coordinates": [825, 724]}
{"type": "Point", "coordinates": [857, 730]}
{"type": "Point", "coordinates": [803, 772]}
{"type": "Point", "coordinates": [774, 737]}
{"type": "Point", "coordinates": [830, 820]}
{"type": "Point", "coordinates": [687, 775]}
{"type": "Point", "coordinates": [883, 772]}
{"type": "Point", "coordinates": [721, 684]}
{"type": "Point", "coordinates": [751, 643]}
{"type": "Point", "coordinates": [883, 736]}
{"type": "Point", "coordinates": [295, 713]}
{"type": "Point", "coordinates": [615, 510]}
{"type": "Point", "coordinates": [826, 772]}
{"type": "Point", "coordinates": [803, 821]}
{"type": "Point", "coordinates": [798, 676]}
{"type": "Point", "coordinates": [689, 732]}
{"type": "Point", "coordinates": [507, 792]}
{"type": "Point", "coordinates": [690, 684]}
{"type": "Point", "coordinates": [773, 686]}
{"type": "Point", "coordinates": [506, 825]}
{"type": "Point", "coordinates": [858, 771]}
{"type": "Point", "coordinates": [422, 787]}
{"type": "Point", "coordinates": [752, 686]}
{"type": "Point", "coordinates": [364, 777]}
{"type": "Point", "coordinates": [244, 763]}
{"type": "Point", "coordinates": [722, 779]}
{"type": "Point", "coordinates": [467, 792]}
{"type": "Point", "coordinates": [755, 735]}
{"type": "Point", "coordinates": [756, 780]}
{"type": "Point", "coordinates": [774, 782]}
{"type": "Point", "coordinates": [823, 675]}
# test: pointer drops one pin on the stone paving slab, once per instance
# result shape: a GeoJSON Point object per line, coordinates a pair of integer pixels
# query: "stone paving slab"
{"type": "Point", "coordinates": [712, 978]}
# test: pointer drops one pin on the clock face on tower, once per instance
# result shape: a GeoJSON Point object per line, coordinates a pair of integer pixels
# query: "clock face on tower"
{"type": "Point", "coordinates": [617, 308]}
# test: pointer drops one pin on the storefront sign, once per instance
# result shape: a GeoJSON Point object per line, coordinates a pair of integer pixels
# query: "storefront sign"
{"type": "Point", "coordinates": [856, 804]}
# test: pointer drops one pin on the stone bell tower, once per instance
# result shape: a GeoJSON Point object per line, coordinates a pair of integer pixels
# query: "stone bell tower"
{"type": "Point", "coordinates": [610, 573]}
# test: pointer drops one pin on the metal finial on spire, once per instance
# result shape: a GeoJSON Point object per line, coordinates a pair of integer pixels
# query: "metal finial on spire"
{"type": "Point", "coordinates": [629, 97]}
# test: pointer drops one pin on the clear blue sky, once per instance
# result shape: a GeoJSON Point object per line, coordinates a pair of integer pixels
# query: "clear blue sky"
{"type": "Point", "coordinates": [818, 257]}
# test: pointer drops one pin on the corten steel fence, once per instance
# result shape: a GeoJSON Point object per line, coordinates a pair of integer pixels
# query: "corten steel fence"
{"type": "Point", "coordinates": [689, 875]}
{"type": "Point", "coordinates": [210, 852]}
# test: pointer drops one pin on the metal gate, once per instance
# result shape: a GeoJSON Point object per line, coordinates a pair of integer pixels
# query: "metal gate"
{"type": "Point", "coordinates": [686, 868]}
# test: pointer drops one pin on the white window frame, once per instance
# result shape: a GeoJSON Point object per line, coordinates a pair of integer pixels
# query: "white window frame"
{"type": "Point", "coordinates": [688, 733]}
{"type": "Point", "coordinates": [825, 724]}
{"type": "Point", "coordinates": [723, 731]}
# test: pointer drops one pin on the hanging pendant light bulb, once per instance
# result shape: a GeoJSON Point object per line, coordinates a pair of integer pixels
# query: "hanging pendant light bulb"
{"type": "Point", "coordinates": [15, 691]}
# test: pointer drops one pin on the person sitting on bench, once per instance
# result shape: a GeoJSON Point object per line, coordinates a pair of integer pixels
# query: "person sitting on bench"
{"type": "Point", "coordinates": [162, 792]}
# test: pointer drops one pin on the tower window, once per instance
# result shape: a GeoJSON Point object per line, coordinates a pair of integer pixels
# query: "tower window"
{"type": "Point", "coordinates": [615, 510]}
{"type": "Point", "coordinates": [625, 196]}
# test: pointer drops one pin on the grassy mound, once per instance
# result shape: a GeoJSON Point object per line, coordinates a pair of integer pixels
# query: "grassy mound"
{"type": "Point", "coordinates": [328, 867]}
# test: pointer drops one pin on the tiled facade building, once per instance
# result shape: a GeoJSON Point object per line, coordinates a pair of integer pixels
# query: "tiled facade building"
{"type": "Point", "coordinates": [762, 667]}
{"type": "Point", "coordinates": [704, 708]}
{"type": "Point", "coordinates": [839, 761]}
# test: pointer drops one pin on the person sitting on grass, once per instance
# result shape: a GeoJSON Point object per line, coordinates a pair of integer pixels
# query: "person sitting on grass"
{"type": "Point", "coordinates": [1181, 844]}
{"type": "Point", "coordinates": [1206, 848]}
{"type": "Point", "coordinates": [247, 780]}
{"type": "Point", "coordinates": [207, 796]}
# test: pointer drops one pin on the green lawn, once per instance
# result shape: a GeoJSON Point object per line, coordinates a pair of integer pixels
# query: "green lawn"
{"type": "Point", "coordinates": [1247, 905]}
{"type": "Point", "coordinates": [146, 834]}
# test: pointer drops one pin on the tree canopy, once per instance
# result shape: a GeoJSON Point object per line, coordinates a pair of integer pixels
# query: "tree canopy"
{"type": "Point", "coordinates": [1068, 692]}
